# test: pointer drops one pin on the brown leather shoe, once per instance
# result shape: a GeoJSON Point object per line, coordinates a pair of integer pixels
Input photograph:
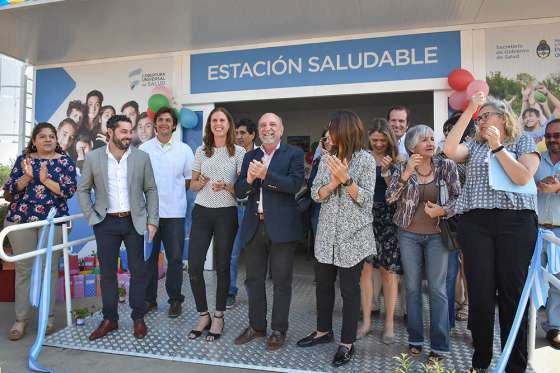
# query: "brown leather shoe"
{"type": "Point", "coordinates": [248, 335]}
{"type": "Point", "coordinates": [105, 327]}
{"type": "Point", "coordinates": [275, 341]}
{"type": "Point", "coordinates": [140, 329]}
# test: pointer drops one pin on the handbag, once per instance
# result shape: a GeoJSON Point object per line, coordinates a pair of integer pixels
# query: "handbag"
{"type": "Point", "coordinates": [448, 227]}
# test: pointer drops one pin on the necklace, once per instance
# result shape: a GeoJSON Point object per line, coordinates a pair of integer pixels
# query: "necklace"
{"type": "Point", "coordinates": [425, 175]}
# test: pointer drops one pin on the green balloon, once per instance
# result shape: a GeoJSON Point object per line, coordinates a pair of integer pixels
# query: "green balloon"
{"type": "Point", "coordinates": [157, 101]}
{"type": "Point", "coordinates": [539, 96]}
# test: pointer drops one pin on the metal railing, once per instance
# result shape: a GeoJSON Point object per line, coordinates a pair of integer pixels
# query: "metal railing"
{"type": "Point", "coordinates": [552, 281]}
{"type": "Point", "coordinates": [33, 252]}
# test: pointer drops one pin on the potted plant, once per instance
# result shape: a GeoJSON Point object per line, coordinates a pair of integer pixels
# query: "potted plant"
{"type": "Point", "coordinates": [122, 294]}
{"type": "Point", "coordinates": [80, 315]}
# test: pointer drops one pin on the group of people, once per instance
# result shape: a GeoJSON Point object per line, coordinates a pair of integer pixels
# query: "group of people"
{"type": "Point", "coordinates": [85, 125]}
{"type": "Point", "coordinates": [380, 197]}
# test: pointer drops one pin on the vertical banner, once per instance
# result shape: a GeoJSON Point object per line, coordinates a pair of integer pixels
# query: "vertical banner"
{"type": "Point", "coordinates": [523, 68]}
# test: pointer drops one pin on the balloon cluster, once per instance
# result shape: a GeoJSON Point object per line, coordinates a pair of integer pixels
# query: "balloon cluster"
{"type": "Point", "coordinates": [162, 96]}
{"type": "Point", "coordinates": [465, 86]}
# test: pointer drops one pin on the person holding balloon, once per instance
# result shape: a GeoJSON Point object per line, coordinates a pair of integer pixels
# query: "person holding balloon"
{"type": "Point", "coordinates": [498, 229]}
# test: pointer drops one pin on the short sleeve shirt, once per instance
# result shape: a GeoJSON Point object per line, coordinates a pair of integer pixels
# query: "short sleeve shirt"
{"type": "Point", "coordinates": [219, 167]}
{"type": "Point", "coordinates": [477, 193]}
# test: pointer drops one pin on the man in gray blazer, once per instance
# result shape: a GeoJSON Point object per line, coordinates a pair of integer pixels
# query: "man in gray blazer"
{"type": "Point", "coordinates": [125, 206]}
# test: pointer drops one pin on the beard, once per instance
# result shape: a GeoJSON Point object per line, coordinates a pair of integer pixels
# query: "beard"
{"type": "Point", "coordinates": [122, 145]}
{"type": "Point", "coordinates": [268, 139]}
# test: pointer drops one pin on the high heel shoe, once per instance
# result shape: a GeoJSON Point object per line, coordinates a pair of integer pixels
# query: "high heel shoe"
{"type": "Point", "coordinates": [211, 337]}
{"type": "Point", "coordinates": [194, 334]}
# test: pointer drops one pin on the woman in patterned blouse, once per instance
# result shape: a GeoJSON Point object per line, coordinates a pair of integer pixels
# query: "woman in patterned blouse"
{"type": "Point", "coordinates": [42, 178]}
{"type": "Point", "coordinates": [344, 186]}
{"type": "Point", "coordinates": [418, 186]}
{"type": "Point", "coordinates": [498, 229]}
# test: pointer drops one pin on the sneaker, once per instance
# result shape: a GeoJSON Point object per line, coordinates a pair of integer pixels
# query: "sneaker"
{"type": "Point", "coordinates": [230, 301]}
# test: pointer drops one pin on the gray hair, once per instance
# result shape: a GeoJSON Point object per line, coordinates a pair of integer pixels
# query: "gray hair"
{"type": "Point", "coordinates": [414, 134]}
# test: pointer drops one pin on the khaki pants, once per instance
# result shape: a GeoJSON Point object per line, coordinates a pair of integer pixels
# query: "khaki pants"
{"type": "Point", "coordinates": [24, 241]}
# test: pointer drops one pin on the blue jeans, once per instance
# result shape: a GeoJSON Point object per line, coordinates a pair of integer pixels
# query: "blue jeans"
{"type": "Point", "coordinates": [235, 253]}
{"type": "Point", "coordinates": [553, 302]}
{"type": "Point", "coordinates": [417, 249]}
{"type": "Point", "coordinates": [452, 271]}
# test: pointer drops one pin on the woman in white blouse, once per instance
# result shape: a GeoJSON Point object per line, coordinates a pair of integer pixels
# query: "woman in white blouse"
{"type": "Point", "coordinates": [216, 166]}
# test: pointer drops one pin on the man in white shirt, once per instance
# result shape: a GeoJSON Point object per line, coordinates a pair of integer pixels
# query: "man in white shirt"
{"type": "Point", "coordinates": [172, 163]}
{"type": "Point", "coordinates": [399, 120]}
{"type": "Point", "coordinates": [124, 208]}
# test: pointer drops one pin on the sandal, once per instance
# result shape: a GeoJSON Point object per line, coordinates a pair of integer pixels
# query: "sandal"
{"type": "Point", "coordinates": [462, 313]}
{"type": "Point", "coordinates": [414, 350]}
{"type": "Point", "coordinates": [194, 334]}
{"type": "Point", "coordinates": [434, 359]}
{"type": "Point", "coordinates": [211, 337]}
{"type": "Point", "coordinates": [17, 331]}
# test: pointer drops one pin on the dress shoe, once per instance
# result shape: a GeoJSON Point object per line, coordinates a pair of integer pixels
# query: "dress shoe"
{"type": "Point", "coordinates": [140, 329]}
{"type": "Point", "coordinates": [105, 327]}
{"type": "Point", "coordinates": [312, 340]}
{"type": "Point", "coordinates": [248, 335]}
{"type": "Point", "coordinates": [342, 356]}
{"type": "Point", "coordinates": [275, 341]}
{"type": "Point", "coordinates": [175, 309]}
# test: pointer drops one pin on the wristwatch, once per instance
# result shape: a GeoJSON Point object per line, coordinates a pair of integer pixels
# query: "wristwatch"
{"type": "Point", "coordinates": [348, 182]}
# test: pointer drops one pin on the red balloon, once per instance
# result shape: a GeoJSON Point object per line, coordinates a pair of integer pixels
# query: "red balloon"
{"type": "Point", "coordinates": [150, 113]}
{"type": "Point", "coordinates": [458, 100]}
{"type": "Point", "coordinates": [459, 79]}
{"type": "Point", "coordinates": [477, 86]}
{"type": "Point", "coordinates": [475, 114]}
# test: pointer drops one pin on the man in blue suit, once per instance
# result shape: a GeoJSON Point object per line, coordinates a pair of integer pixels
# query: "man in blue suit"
{"type": "Point", "coordinates": [270, 177]}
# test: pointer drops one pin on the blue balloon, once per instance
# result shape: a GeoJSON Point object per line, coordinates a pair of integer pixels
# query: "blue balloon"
{"type": "Point", "coordinates": [188, 118]}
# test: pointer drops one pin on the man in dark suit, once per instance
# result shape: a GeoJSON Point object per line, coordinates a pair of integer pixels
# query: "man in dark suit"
{"type": "Point", "coordinates": [125, 206]}
{"type": "Point", "coordinates": [270, 177]}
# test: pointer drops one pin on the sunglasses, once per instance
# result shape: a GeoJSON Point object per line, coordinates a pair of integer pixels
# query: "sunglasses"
{"type": "Point", "coordinates": [554, 135]}
{"type": "Point", "coordinates": [484, 117]}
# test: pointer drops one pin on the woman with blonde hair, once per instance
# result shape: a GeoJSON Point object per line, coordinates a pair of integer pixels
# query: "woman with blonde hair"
{"type": "Point", "coordinates": [498, 229]}
{"type": "Point", "coordinates": [384, 148]}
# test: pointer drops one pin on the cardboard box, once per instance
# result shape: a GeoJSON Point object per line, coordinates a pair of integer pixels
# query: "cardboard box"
{"type": "Point", "coordinates": [90, 285]}
{"type": "Point", "coordinates": [77, 283]}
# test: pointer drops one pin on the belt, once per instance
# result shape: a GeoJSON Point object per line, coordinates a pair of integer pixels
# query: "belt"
{"type": "Point", "coordinates": [260, 215]}
{"type": "Point", "coordinates": [124, 214]}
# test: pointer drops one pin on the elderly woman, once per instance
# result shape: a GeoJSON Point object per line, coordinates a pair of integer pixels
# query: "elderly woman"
{"type": "Point", "coordinates": [498, 229]}
{"type": "Point", "coordinates": [43, 177]}
{"type": "Point", "coordinates": [344, 186]}
{"type": "Point", "coordinates": [417, 186]}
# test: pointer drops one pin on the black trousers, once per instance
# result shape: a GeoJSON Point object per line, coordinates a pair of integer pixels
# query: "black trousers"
{"type": "Point", "coordinates": [497, 247]}
{"type": "Point", "coordinates": [110, 234]}
{"type": "Point", "coordinates": [325, 277]}
{"type": "Point", "coordinates": [220, 223]}
{"type": "Point", "coordinates": [257, 254]}
{"type": "Point", "coordinates": [171, 231]}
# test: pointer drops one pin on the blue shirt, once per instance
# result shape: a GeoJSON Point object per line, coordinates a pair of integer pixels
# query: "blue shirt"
{"type": "Point", "coordinates": [548, 203]}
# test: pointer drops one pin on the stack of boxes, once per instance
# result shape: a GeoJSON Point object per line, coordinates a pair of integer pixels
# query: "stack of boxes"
{"type": "Point", "coordinates": [85, 277]}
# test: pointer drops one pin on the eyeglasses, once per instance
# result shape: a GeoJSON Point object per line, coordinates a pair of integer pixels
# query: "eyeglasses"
{"type": "Point", "coordinates": [554, 135]}
{"type": "Point", "coordinates": [484, 117]}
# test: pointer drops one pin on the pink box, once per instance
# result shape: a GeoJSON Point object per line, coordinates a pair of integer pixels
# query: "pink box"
{"type": "Point", "coordinates": [123, 280]}
{"type": "Point", "coordinates": [60, 290]}
{"type": "Point", "coordinates": [74, 265]}
{"type": "Point", "coordinates": [90, 262]}
{"type": "Point", "coordinates": [77, 283]}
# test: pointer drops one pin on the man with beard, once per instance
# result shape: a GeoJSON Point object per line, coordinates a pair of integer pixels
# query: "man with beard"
{"type": "Point", "coordinates": [270, 177]}
{"type": "Point", "coordinates": [126, 206]}
{"type": "Point", "coordinates": [547, 178]}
